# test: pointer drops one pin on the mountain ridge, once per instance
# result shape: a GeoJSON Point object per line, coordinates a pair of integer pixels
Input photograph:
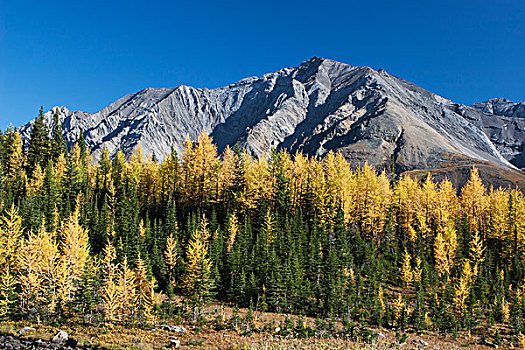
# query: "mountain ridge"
{"type": "Point", "coordinates": [320, 106]}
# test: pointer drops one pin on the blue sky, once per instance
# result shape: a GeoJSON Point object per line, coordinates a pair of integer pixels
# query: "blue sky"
{"type": "Point", "coordinates": [84, 55]}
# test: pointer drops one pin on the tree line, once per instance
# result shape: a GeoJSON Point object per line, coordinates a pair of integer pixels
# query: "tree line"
{"type": "Point", "coordinates": [109, 241]}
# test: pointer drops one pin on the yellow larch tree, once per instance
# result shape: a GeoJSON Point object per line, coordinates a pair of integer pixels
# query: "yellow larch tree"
{"type": "Point", "coordinates": [144, 290]}
{"type": "Point", "coordinates": [74, 250]}
{"type": "Point", "coordinates": [474, 202]}
{"type": "Point", "coordinates": [125, 291]}
{"type": "Point", "coordinates": [258, 181]}
{"type": "Point", "coordinates": [109, 290]}
{"type": "Point", "coordinates": [497, 222]}
{"type": "Point", "coordinates": [380, 200]}
{"type": "Point", "coordinates": [110, 296]}
{"type": "Point", "coordinates": [150, 183]}
{"type": "Point", "coordinates": [78, 168]}
{"type": "Point", "coordinates": [407, 275]}
{"type": "Point", "coordinates": [50, 268]}
{"type": "Point", "coordinates": [445, 246]}
{"type": "Point", "coordinates": [320, 191]}
{"type": "Point", "coordinates": [200, 166]}
{"type": "Point", "coordinates": [440, 255]}
{"type": "Point", "coordinates": [135, 164]}
{"type": "Point", "coordinates": [399, 308]}
{"type": "Point", "coordinates": [14, 155]}
{"type": "Point", "coordinates": [505, 310]}
{"type": "Point", "coordinates": [171, 257]}
{"type": "Point", "coordinates": [517, 222]}
{"type": "Point", "coordinates": [342, 186]}
{"type": "Point", "coordinates": [170, 175]}
{"type": "Point", "coordinates": [333, 179]}
{"type": "Point", "coordinates": [445, 236]}
{"type": "Point", "coordinates": [299, 179]}
{"type": "Point", "coordinates": [428, 204]}
{"type": "Point", "coordinates": [380, 296]}
{"type": "Point", "coordinates": [429, 198]}
{"type": "Point", "coordinates": [269, 227]}
{"type": "Point", "coordinates": [233, 228]}
{"type": "Point", "coordinates": [462, 288]}
{"type": "Point", "coordinates": [11, 239]}
{"type": "Point", "coordinates": [37, 180]}
{"type": "Point", "coordinates": [476, 253]}
{"type": "Point", "coordinates": [447, 201]}
{"type": "Point", "coordinates": [60, 169]}
{"type": "Point", "coordinates": [208, 165]}
{"type": "Point", "coordinates": [406, 201]}
{"type": "Point", "coordinates": [197, 280]}
{"type": "Point", "coordinates": [30, 265]}
{"type": "Point", "coordinates": [227, 173]}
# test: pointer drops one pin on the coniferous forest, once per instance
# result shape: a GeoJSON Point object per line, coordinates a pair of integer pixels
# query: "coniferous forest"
{"type": "Point", "coordinates": [114, 241]}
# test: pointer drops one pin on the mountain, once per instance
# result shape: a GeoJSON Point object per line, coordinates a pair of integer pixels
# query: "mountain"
{"type": "Point", "coordinates": [502, 107]}
{"type": "Point", "coordinates": [504, 123]}
{"type": "Point", "coordinates": [319, 106]}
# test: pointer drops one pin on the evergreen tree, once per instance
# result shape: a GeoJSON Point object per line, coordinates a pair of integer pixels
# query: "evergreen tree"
{"type": "Point", "coordinates": [58, 145]}
{"type": "Point", "coordinates": [39, 147]}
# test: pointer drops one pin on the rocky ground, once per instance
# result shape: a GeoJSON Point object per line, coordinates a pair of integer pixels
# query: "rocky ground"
{"type": "Point", "coordinates": [171, 337]}
{"type": "Point", "coordinates": [11, 342]}
{"type": "Point", "coordinates": [216, 334]}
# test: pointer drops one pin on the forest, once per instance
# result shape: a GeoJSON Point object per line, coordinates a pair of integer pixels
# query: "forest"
{"type": "Point", "coordinates": [114, 241]}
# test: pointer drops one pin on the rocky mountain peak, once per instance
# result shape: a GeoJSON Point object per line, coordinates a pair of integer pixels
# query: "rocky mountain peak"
{"type": "Point", "coordinates": [319, 106]}
{"type": "Point", "coordinates": [501, 106]}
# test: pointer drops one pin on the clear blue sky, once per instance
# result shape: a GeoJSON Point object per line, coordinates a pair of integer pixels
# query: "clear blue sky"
{"type": "Point", "coordinates": [86, 54]}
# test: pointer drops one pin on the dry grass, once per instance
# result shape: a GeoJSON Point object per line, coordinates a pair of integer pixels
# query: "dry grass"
{"type": "Point", "coordinates": [262, 336]}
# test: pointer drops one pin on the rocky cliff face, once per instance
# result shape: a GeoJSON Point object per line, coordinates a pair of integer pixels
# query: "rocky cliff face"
{"type": "Point", "coordinates": [321, 105]}
{"type": "Point", "coordinates": [504, 123]}
{"type": "Point", "coordinates": [502, 107]}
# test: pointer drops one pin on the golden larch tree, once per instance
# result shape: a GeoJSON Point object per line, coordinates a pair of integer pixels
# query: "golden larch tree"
{"type": "Point", "coordinates": [320, 191]}
{"type": "Point", "coordinates": [517, 222]}
{"type": "Point", "coordinates": [110, 296]}
{"type": "Point", "coordinates": [474, 202]}
{"type": "Point", "coordinates": [258, 181]}
{"type": "Point", "coordinates": [14, 155]}
{"type": "Point", "coordinates": [197, 280]}
{"type": "Point", "coordinates": [299, 179]}
{"type": "Point", "coordinates": [497, 221]}
{"type": "Point", "coordinates": [407, 275]}
{"type": "Point", "coordinates": [171, 257]}
{"type": "Point", "coordinates": [200, 165]}
{"type": "Point", "coordinates": [125, 291]}
{"type": "Point", "coordinates": [144, 289]}
{"type": "Point", "coordinates": [227, 171]}
{"type": "Point", "coordinates": [11, 239]}
{"type": "Point", "coordinates": [30, 265]}
{"type": "Point", "coordinates": [74, 250]}
{"type": "Point", "coordinates": [476, 253]}
{"type": "Point", "coordinates": [462, 288]}
{"type": "Point", "coordinates": [233, 228]}
{"type": "Point", "coordinates": [36, 182]}
{"type": "Point", "coordinates": [50, 268]}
